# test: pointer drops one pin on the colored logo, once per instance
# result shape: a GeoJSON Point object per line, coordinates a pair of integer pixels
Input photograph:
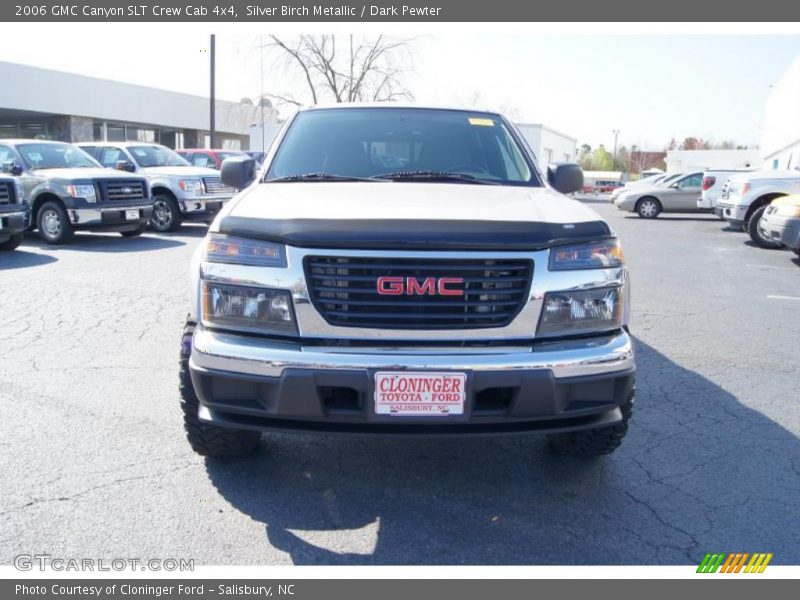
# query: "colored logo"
{"type": "Point", "coordinates": [734, 562]}
{"type": "Point", "coordinates": [411, 286]}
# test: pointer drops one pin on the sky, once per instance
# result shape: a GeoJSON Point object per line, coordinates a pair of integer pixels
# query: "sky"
{"type": "Point", "coordinates": [650, 88]}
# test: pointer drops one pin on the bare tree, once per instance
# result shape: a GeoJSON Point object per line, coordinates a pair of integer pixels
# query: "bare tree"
{"type": "Point", "coordinates": [345, 68]}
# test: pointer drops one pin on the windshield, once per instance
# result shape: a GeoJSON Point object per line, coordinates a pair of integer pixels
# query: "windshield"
{"type": "Point", "coordinates": [224, 155]}
{"type": "Point", "coordinates": [670, 178]}
{"type": "Point", "coordinates": [156, 156]}
{"type": "Point", "coordinates": [409, 143]}
{"type": "Point", "coordinates": [55, 156]}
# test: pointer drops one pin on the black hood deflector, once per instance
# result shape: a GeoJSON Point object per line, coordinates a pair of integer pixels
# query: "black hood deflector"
{"type": "Point", "coordinates": [414, 234]}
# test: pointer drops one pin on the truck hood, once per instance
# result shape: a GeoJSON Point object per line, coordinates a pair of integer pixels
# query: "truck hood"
{"type": "Point", "coordinates": [187, 171]}
{"type": "Point", "coordinates": [89, 173]}
{"type": "Point", "coordinates": [410, 215]}
{"type": "Point", "coordinates": [759, 175]}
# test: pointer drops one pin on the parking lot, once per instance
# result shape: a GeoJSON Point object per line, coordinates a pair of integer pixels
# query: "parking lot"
{"type": "Point", "coordinates": [94, 462]}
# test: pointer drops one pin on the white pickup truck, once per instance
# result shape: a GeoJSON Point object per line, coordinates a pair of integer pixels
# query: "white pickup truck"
{"type": "Point", "coordinates": [747, 196]}
{"type": "Point", "coordinates": [713, 186]}
{"type": "Point", "coordinates": [400, 270]}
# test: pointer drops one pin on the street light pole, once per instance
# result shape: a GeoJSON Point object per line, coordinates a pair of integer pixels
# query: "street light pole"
{"type": "Point", "coordinates": [213, 103]}
{"type": "Point", "coordinates": [616, 133]}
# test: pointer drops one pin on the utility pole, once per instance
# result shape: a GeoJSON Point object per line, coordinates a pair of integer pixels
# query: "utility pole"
{"type": "Point", "coordinates": [616, 133]}
{"type": "Point", "coordinates": [213, 105]}
{"type": "Point", "coordinates": [261, 98]}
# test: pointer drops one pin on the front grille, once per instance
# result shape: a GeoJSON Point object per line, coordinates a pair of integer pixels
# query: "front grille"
{"type": "Point", "coordinates": [214, 185]}
{"type": "Point", "coordinates": [113, 190]}
{"type": "Point", "coordinates": [345, 292]}
{"type": "Point", "coordinates": [7, 193]}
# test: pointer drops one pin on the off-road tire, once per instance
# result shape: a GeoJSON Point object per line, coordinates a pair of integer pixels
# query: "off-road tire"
{"type": "Point", "coordinates": [11, 243]}
{"type": "Point", "coordinates": [204, 438]}
{"type": "Point", "coordinates": [752, 230]}
{"type": "Point", "coordinates": [593, 442]}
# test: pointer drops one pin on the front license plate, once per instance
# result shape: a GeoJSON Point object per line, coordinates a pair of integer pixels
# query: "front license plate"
{"type": "Point", "coordinates": [419, 393]}
{"type": "Point", "coordinates": [131, 215]}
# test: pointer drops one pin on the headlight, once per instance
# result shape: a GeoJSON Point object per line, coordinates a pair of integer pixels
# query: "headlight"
{"type": "Point", "coordinates": [247, 309]}
{"type": "Point", "coordinates": [592, 255]}
{"type": "Point", "coordinates": [788, 210]}
{"type": "Point", "coordinates": [583, 311]}
{"type": "Point", "coordinates": [20, 192]}
{"type": "Point", "coordinates": [192, 186]}
{"type": "Point", "coordinates": [240, 251]}
{"type": "Point", "coordinates": [82, 191]}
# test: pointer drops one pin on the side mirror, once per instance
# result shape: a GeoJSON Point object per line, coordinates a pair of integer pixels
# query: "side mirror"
{"type": "Point", "coordinates": [12, 168]}
{"type": "Point", "coordinates": [126, 165]}
{"type": "Point", "coordinates": [565, 177]}
{"type": "Point", "coordinates": [238, 171]}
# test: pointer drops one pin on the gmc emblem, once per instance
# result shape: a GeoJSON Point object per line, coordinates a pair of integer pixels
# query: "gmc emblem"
{"type": "Point", "coordinates": [411, 286]}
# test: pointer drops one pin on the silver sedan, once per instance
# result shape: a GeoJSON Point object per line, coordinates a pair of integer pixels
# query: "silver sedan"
{"type": "Point", "coordinates": [678, 196]}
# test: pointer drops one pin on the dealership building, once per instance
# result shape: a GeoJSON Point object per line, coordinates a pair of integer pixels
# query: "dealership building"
{"type": "Point", "coordinates": [54, 105]}
{"type": "Point", "coordinates": [780, 141]}
{"type": "Point", "coordinates": [548, 145]}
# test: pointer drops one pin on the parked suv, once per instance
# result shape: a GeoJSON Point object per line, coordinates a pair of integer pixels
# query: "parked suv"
{"type": "Point", "coordinates": [211, 158]}
{"type": "Point", "coordinates": [747, 196]}
{"type": "Point", "coordinates": [68, 190]}
{"type": "Point", "coordinates": [14, 212]}
{"type": "Point", "coordinates": [461, 294]}
{"type": "Point", "coordinates": [180, 191]}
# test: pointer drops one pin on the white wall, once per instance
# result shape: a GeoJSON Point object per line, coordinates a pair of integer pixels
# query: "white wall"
{"type": "Point", "coordinates": [43, 90]}
{"type": "Point", "coordinates": [681, 161]}
{"type": "Point", "coordinates": [781, 132]}
{"type": "Point", "coordinates": [787, 158]}
{"type": "Point", "coordinates": [548, 145]}
{"type": "Point", "coordinates": [270, 131]}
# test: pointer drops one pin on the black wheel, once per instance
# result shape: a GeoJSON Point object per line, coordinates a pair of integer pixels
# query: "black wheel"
{"type": "Point", "coordinates": [166, 214]}
{"type": "Point", "coordinates": [751, 227]}
{"type": "Point", "coordinates": [53, 223]}
{"type": "Point", "coordinates": [11, 243]}
{"type": "Point", "coordinates": [204, 438]}
{"type": "Point", "coordinates": [594, 442]}
{"type": "Point", "coordinates": [648, 208]}
{"type": "Point", "coordinates": [134, 232]}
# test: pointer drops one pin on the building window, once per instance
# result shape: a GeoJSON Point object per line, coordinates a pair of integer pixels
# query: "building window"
{"type": "Point", "coordinates": [115, 132]}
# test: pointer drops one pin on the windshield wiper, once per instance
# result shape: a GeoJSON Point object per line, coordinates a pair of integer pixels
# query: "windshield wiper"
{"type": "Point", "coordinates": [435, 176]}
{"type": "Point", "coordinates": [318, 177]}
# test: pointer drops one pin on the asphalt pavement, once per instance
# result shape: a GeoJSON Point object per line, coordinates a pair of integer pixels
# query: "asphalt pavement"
{"type": "Point", "coordinates": [94, 463]}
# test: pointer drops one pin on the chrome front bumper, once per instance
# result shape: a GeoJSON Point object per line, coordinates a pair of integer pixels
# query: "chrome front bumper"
{"type": "Point", "coordinates": [248, 355]}
{"type": "Point", "coordinates": [734, 213]}
{"type": "Point", "coordinates": [200, 204]}
{"type": "Point", "coordinates": [108, 215]}
{"type": "Point", "coordinates": [12, 223]}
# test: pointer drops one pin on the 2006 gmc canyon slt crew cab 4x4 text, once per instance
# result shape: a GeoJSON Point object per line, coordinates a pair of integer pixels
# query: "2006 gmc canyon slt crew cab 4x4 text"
{"type": "Point", "coordinates": [67, 190]}
{"type": "Point", "coordinates": [405, 270]}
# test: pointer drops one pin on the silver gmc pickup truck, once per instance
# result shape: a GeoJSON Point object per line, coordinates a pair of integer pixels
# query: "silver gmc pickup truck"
{"type": "Point", "coordinates": [400, 270]}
